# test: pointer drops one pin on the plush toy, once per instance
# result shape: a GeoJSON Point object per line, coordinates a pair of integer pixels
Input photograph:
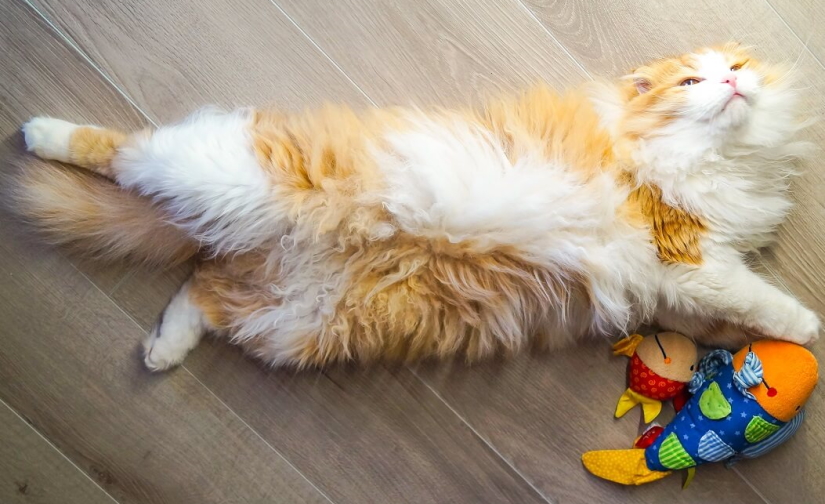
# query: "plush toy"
{"type": "Point", "coordinates": [743, 406]}
{"type": "Point", "coordinates": [659, 369]}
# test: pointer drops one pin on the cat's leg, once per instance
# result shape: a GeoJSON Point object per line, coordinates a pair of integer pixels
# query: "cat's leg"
{"type": "Point", "coordinates": [204, 172]}
{"type": "Point", "coordinates": [181, 326]}
{"type": "Point", "coordinates": [86, 146]}
{"type": "Point", "coordinates": [724, 290]}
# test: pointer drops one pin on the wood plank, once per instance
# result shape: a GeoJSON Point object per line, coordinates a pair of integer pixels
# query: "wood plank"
{"type": "Point", "coordinates": [434, 51]}
{"type": "Point", "coordinates": [141, 438]}
{"type": "Point", "coordinates": [56, 85]}
{"type": "Point", "coordinates": [372, 435]}
{"type": "Point", "coordinates": [175, 57]}
{"type": "Point", "coordinates": [805, 18]}
{"type": "Point", "coordinates": [33, 471]}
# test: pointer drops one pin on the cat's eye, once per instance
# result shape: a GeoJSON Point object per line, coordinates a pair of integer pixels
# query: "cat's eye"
{"type": "Point", "coordinates": [689, 82]}
{"type": "Point", "coordinates": [736, 67]}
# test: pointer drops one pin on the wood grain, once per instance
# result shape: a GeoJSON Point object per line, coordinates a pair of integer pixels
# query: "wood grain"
{"type": "Point", "coordinates": [805, 18]}
{"type": "Point", "coordinates": [176, 57]}
{"type": "Point", "coordinates": [435, 51]}
{"type": "Point", "coordinates": [142, 438]}
{"type": "Point", "coordinates": [42, 86]}
{"type": "Point", "coordinates": [360, 434]}
{"type": "Point", "coordinates": [33, 471]}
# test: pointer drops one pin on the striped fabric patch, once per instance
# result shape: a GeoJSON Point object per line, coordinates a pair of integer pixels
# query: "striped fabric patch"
{"type": "Point", "coordinates": [782, 435]}
{"type": "Point", "coordinates": [758, 429]}
{"type": "Point", "coordinates": [713, 449]}
{"type": "Point", "coordinates": [673, 455]}
{"type": "Point", "coordinates": [749, 375]}
{"type": "Point", "coordinates": [712, 361]}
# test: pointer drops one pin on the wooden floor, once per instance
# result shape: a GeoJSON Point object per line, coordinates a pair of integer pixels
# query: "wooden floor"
{"type": "Point", "coordinates": [81, 421]}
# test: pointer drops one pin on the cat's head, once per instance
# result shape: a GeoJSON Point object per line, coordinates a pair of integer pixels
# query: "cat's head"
{"type": "Point", "coordinates": [721, 93]}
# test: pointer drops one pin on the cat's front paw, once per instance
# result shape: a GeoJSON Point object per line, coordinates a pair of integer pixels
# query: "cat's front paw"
{"type": "Point", "coordinates": [805, 328]}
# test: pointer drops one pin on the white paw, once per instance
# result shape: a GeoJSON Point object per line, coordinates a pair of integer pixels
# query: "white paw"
{"type": "Point", "coordinates": [179, 331]}
{"type": "Point", "coordinates": [163, 351]}
{"type": "Point", "coordinates": [805, 328]}
{"type": "Point", "coordinates": [49, 138]}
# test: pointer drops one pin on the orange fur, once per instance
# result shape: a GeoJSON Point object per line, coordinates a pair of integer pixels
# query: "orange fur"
{"type": "Point", "coordinates": [98, 218]}
{"type": "Point", "coordinates": [94, 148]}
{"type": "Point", "coordinates": [675, 232]}
{"type": "Point", "coordinates": [562, 127]}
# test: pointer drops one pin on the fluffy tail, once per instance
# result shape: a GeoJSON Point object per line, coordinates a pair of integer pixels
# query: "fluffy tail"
{"type": "Point", "coordinates": [95, 216]}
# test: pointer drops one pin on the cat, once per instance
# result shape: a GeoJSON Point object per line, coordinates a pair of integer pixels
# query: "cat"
{"type": "Point", "coordinates": [399, 234]}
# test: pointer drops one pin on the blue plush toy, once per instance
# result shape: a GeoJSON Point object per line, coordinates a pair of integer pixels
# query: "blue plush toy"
{"type": "Point", "coordinates": [742, 406]}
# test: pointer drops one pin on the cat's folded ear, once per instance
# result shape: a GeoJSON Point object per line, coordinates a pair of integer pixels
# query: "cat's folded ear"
{"type": "Point", "coordinates": [642, 85]}
{"type": "Point", "coordinates": [640, 82]}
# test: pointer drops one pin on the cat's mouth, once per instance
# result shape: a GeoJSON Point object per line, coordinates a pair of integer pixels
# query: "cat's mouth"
{"type": "Point", "coordinates": [736, 96]}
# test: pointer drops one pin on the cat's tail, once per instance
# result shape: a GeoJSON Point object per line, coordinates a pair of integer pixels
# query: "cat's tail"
{"type": "Point", "coordinates": [96, 216]}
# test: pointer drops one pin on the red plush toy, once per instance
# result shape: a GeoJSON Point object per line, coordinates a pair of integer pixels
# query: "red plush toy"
{"type": "Point", "coordinates": [660, 368]}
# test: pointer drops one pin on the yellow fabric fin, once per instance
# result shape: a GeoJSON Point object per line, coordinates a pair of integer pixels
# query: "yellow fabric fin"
{"type": "Point", "coordinates": [626, 403]}
{"type": "Point", "coordinates": [691, 472]}
{"type": "Point", "coordinates": [650, 407]}
{"type": "Point", "coordinates": [626, 467]}
{"type": "Point", "coordinates": [627, 346]}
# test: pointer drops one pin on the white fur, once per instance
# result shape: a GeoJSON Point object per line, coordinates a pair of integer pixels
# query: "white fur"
{"type": "Point", "coordinates": [451, 179]}
{"type": "Point", "coordinates": [725, 289]}
{"type": "Point", "coordinates": [204, 172]}
{"type": "Point", "coordinates": [730, 163]}
{"type": "Point", "coordinates": [180, 329]}
{"type": "Point", "coordinates": [49, 138]}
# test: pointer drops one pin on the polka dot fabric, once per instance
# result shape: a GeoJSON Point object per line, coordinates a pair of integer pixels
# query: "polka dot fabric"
{"type": "Point", "coordinates": [647, 383]}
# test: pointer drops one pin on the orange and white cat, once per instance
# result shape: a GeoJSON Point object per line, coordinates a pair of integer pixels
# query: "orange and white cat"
{"type": "Point", "coordinates": [400, 234]}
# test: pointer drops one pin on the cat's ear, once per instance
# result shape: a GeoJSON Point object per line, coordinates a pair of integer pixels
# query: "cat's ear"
{"type": "Point", "coordinates": [642, 85]}
{"type": "Point", "coordinates": [640, 82]}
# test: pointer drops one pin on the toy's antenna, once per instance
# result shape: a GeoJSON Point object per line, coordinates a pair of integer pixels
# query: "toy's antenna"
{"type": "Point", "coordinates": [656, 336]}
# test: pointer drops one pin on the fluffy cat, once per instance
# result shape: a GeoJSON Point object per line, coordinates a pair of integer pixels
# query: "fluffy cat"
{"type": "Point", "coordinates": [399, 234]}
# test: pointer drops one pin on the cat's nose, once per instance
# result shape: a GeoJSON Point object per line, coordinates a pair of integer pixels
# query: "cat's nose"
{"type": "Point", "coordinates": [730, 79]}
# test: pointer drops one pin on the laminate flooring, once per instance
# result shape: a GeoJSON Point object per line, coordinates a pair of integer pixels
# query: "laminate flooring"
{"type": "Point", "coordinates": [81, 421]}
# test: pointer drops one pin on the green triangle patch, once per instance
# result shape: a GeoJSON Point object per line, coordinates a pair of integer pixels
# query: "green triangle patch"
{"type": "Point", "coordinates": [758, 429]}
{"type": "Point", "coordinates": [673, 455]}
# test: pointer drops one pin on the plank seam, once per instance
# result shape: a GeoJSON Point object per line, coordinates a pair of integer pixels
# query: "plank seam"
{"type": "Point", "coordinates": [323, 53]}
{"type": "Point", "coordinates": [67, 40]}
{"type": "Point", "coordinates": [490, 446]}
{"type": "Point", "coordinates": [55, 448]}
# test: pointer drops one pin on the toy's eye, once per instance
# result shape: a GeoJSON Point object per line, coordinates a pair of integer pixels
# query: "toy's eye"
{"type": "Point", "coordinates": [797, 408]}
{"type": "Point", "coordinates": [736, 67]}
{"type": "Point", "coordinates": [689, 82]}
{"type": "Point", "coordinates": [691, 367]}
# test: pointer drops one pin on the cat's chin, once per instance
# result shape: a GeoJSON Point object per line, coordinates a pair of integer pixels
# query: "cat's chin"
{"type": "Point", "coordinates": [734, 113]}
